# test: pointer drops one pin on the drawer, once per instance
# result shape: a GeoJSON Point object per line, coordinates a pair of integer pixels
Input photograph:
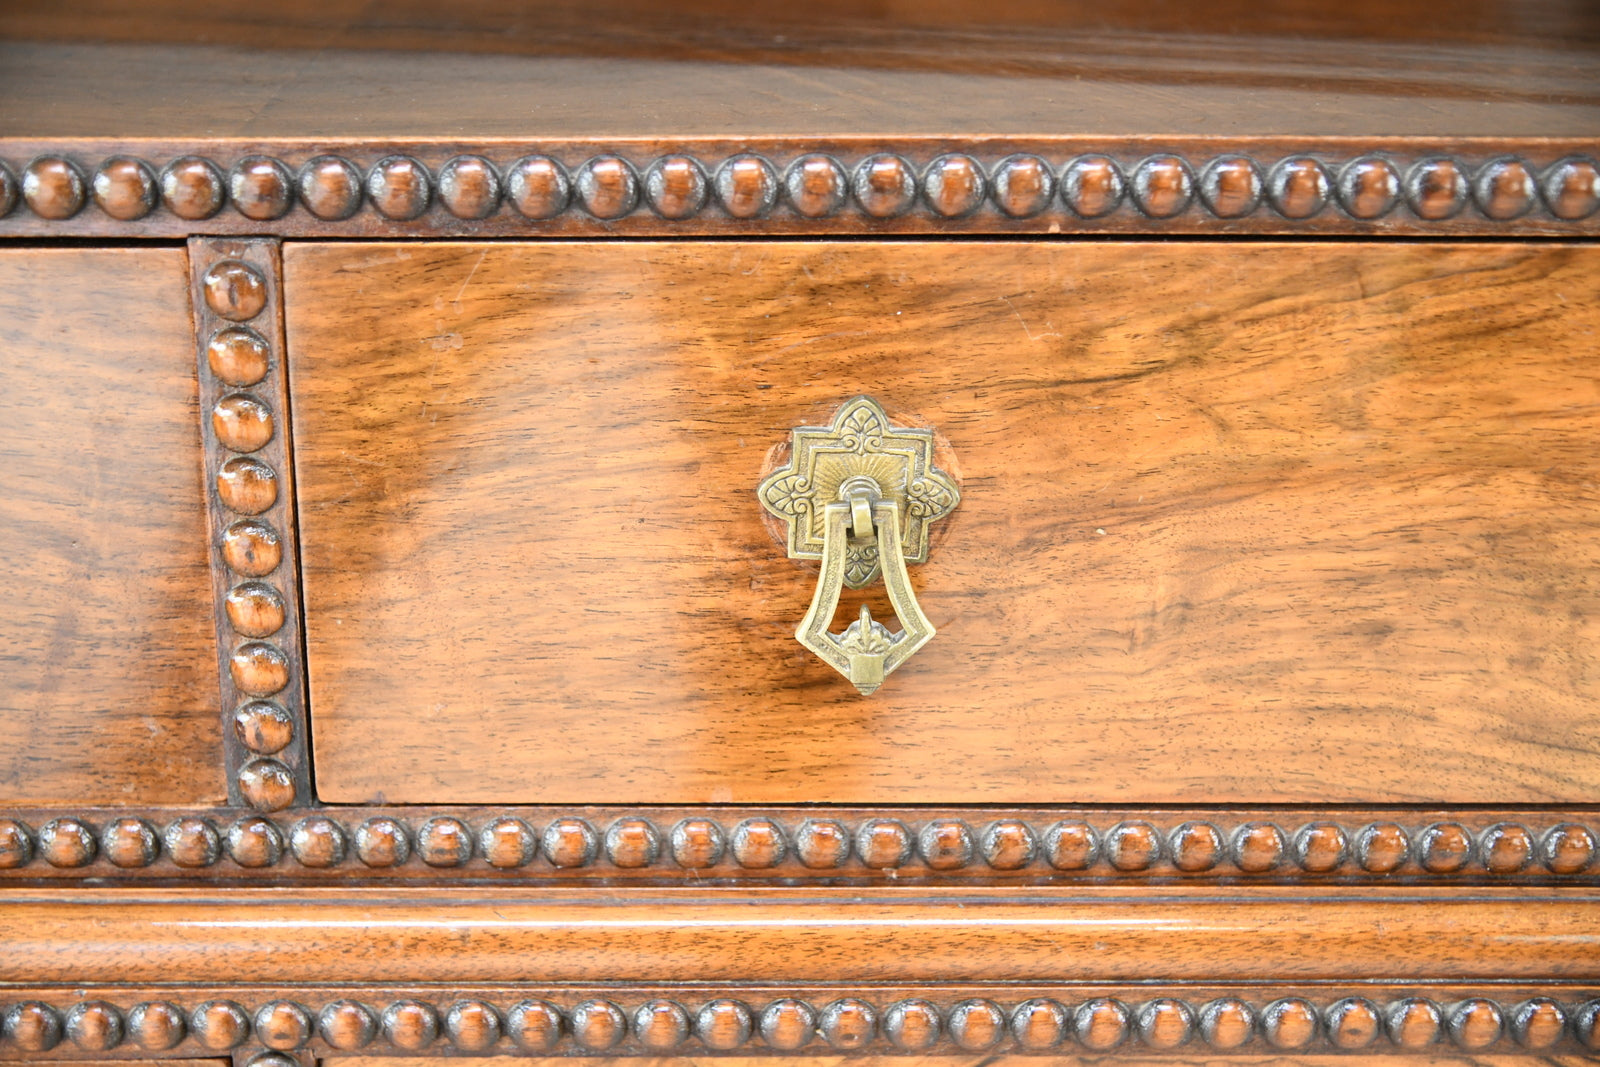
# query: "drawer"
{"type": "Point", "coordinates": [1271, 523]}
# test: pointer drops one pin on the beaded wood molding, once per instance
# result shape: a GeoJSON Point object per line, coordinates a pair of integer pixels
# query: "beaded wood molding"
{"type": "Point", "coordinates": [720, 847]}
{"type": "Point", "coordinates": [45, 1024]}
{"type": "Point", "coordinates": [1059, 185]}
{"type": "Point", "coordinates": [238, 315]}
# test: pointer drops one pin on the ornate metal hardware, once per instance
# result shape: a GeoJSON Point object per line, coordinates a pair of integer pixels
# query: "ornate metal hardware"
{"type": "Point", "coordinates": [859, 496]}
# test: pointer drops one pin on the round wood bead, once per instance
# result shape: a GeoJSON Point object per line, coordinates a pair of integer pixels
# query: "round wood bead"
{"type": "Point", "coordinates": [632, 843]}
{"type": "Point", "coordinates": [1022, 185]}
{"type": "Point", "coordinates": [1369, 187]}
{"type": "Point", "coordinates": [1476, 1024]}
{"type": "Point", "coordinates": [1586, 1025]}
{"type": "Point", "coordinates": [53, 188]}
{"type": "Point", "coordinates": [1290, 1023]}
{"type": "Point", "coordinates": [1162, 186]}
{"type": "Point", "coordinates": [283, 1025]}
{"type": "Point", "coordinates": [787, 1024]}
{"type": "Point", "coordinates": [661, 1025]}
{"type": "Point", "coordinates": [1071, 846]}
{"type": "Point", "coordinates": [976, 1025]}
{"type": "Point", "coordinates": [32, 1026]}
{"type": "Point", "coordinates": [507, 843]}
{"type": "Point", "coordinates": [1133, 846]}
{"type": "Point", "coordinates": [607, 187]}
{"type": "Point", "coordinates": [410, 1025]}
{"type": "Point", "coordinates": [254, 842]}
{"type": "Point", "coordinates": [238, 355]}
{"type": "Point", "coordinates": [848, 1024]}
{"type": "Point", "coordinates": [1165, 1023]}
{"type": "Point", "coordinates": [723, 1025]}
{"type": "Point", "coordinates": [1505, 189]}
{"type": "Point", "coordinates": [676, 187]}
{"type": "Point", "coordinates": [192, 188]}
{"type": "Point", "coordinates": [1414, 1023]}
{"type": "Point", "coordinates": [266, 785]}
{"type": "Point", "coordinates": [247, 485]}
{"type": "Point", "coordinates": [330, 187]}
{"type": "Point", "coordinates": [382, 842]}
{"type": "Point", "coordinates": [1258, 847]}
{"type": "Point", "coordinates": [1196, 846]}
{"type": "Point", "coordinates": [252, 549]}
{"type": "Point", "coordinates": [1353, 1023]}
{"type": "Point", "coordinates": [1506, 848]}
{"type": "Point", "coordinates": [219, 1025]}
{"type": "Point", "coordinates": [259, 669]}
{"type": "Point", "coordinates": [1567, 849]}
{"type": "Point", "coordinates": [1320, 847]}
{"type": "Point", "coordinates": [1572, 188]}
{"type": "Point", "coordinates": [816, 186]}
{"type": "Point", "coordinates": [954, 186]}
{"type": "Point", "coordinates": [884, 185]}
{"type": "Point", "coordinates": [67, 842]}
{"type": "Point", "coordinates": [272, 1059]}
{"type": "Point", "coordinates": [1227, 1024]}
{"type": "Point", "coordinates": [1298, 187]}
{"type": "Point", "coordinates": [747, 186]}
{"type": "Point", "coordinates": [569, 843]}
{"type": "Point", "coordinates": [261, 188]}
{"type": "Point", "coordinates": [241, 422]}
{"type": "Point", "coordinates": [912, 1025]}
{"type": "Point", "coordinates": [469, 187]}
{"type": "Point", "coordinates": [945, 844]}
{"type": "Point", "coordinates": [1538, 1023]}
{"type": "Point", "coordinates": [759, 844]}
{"type": "Point", "coordinates": [1436, 188]}
{"type": "Point", "coordinates": [538, 187]}
{"type": "Point", "coordinates": [254, 609]}
{"type": "Point", "coordinates": [94, 1026]}
{"type": "Point", "coordinates": [821, 844]}
{"type": "Point", "coordinates": [697, 844]}
{"type": "Point", "coordinates": [263, 727]}
{"type": "Point", "coordinates": [16, 844]}
{"type": "Point", "coordinates": [234, 290]}
{"type": "Point", "coordinates": [444, 842]}
{"type": "Point", "coordinates": [598, 1025]}
{"type": "Point", "coordinates": [1382, 847]}
{"type": "Point", "coordinates": [1039, 1024]}
{"type": "Point", "coordinates": [1008, 845]}
{"type": "Point", "coordinates": [129, 842]}
{"type": "Point", "coordinates": [884, 844]}
{"type": "Point", "coordinates": [124, 188]}
{"type": "Point", "coordinates": [1231, 186]}
{"type": "Point", "coordinates": [8, 190]}
{"type": "Point", "coordinates": [192, 842]}
{"type": "Point", "coordinates": [347, 1025]}
{"type": "Point", "coordinates": [1101, 1024]}
{"type": "Point", "coordinates": [533, 1025]}
{"type": "Point", "coordinates": [399, 187]}
{"type": "Point", "coordinates": [156, 1026]}
{"type": "Point", "coordinates": [317, 841]}
{"type": "Point", "coordinates": [1092, 186]}
{"type": "Point", "coordinates": [1445, 847]}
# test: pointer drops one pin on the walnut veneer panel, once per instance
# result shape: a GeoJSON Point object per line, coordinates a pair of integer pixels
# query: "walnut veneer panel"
{"type": "Point", "coordinates": [1274, 522]}
{"type": "Point", "coordinates": [107, 663]}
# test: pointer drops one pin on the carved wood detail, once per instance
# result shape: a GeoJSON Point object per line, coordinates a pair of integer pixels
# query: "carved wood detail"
{"type": "Point", "coordinates": [244, 407]}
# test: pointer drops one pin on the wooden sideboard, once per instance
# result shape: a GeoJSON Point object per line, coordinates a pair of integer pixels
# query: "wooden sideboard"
{"type": "Point", "coordinates": [410, 496]}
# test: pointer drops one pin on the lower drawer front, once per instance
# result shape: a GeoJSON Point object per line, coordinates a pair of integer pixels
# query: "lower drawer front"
{"type": "Point", "coordinates": [1266, 522]}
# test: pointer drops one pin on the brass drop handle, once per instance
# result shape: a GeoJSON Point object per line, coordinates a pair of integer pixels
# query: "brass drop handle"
{"type": "Point", "coordinates": [859, 495]}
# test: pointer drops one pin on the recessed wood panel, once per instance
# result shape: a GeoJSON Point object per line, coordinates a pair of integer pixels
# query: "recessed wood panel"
{"type": "Point", "coordinates": [107, 666]}
{"type": "Point", "coordinates": [1278, 522]}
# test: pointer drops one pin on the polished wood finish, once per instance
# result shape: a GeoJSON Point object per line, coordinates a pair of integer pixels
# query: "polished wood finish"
{"type": "Point", "coordinates": [108, 693]}
{"type": "Point", "coordinates": [536, 570]}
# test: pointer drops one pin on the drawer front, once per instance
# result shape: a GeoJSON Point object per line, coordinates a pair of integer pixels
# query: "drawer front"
{"type": "Point", "coordinates": [1281, 522]}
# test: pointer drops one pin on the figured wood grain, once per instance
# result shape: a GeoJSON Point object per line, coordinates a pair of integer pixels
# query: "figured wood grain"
{"type": "Point", "coordinates": [107, 674]}
{"type": "Point", "coordinates": [1275, 523]}
{"type": "Point", "coordinates": [1180, 1058]}
{"type": "Point", "coordinates": [797, 939]}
